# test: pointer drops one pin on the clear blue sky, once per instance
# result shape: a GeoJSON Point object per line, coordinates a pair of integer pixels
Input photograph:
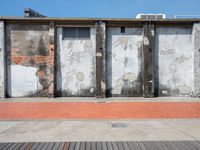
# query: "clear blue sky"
{"type": "Point", "coordinates": [100, 8]}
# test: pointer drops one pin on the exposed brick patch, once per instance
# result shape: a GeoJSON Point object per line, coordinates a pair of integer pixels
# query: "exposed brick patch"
{"type": "Point", "coordinates": [36, 49]}
{"type": "Point", "coordinates": [19, 60]}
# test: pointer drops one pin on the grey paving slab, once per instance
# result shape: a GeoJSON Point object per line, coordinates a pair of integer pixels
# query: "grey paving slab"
{"type": "Point", "coordinates": [4, 125]}
{"type": "Point", "coordinates": [102, 130]}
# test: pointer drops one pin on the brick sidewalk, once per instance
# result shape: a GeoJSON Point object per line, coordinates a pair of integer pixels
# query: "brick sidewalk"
{"type": "Point", "coordinates": [91, 110]}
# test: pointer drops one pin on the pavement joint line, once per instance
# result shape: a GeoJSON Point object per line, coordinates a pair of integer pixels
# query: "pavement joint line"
{"type": "Point", "coordinates": [16, 125]}
{"type": "Point", "coordinates": [179, 130]}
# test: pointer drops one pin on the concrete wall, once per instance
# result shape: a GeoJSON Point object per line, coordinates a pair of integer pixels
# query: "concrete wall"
{"type": "Point", "coordinates": [196, 46]}
{"type": "Point", "coordinates": [28, 71]}
{"type": "Point", "coordinates": [175, 57]}
{"type": "Point", "coordinates": [75, 65]}
{"type": "Point", "coordinates": [2, 59]}
{"type": "Point", "coordinates": [124, 72]}
{"type": "Point", "coordinates": [30, 61]}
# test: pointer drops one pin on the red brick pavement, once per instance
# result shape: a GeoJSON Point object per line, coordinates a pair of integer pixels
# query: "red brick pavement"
{"type": "Point", "coordinates": [91, 110]}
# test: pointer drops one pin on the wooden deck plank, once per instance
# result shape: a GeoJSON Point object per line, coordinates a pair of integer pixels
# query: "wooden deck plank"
{"type": "Point", "coordinates": [72, 146]}
{"type": "Point", "coordinates": [77, 146]}
{"type": "Point", "coordinates": [3, 145]}
{"type": "Point", "coordinates": [195, 144]}
{"type": "Point", "coordinates": [23, 146]}
{"type": "Point", "coordinates": [66, 146]}
{"type": "Point", "coordinates": [109, 145]}
{"type": "Point", "coordinates": [50, 146]}
{"type": "Point", "coordinates": [83, 146]}
{"type": "Point", "coordinates": [93, 146]}
{"type": "Point", "coordinates": [99, 146]}
{"type": "Point", "coordinates": [151, 145]}
{"type": "Point", "coordinates": [171, 145]}
{"type": "Point", "coordinates": [164, 147]}
{"type": "Point", "coordinates": [7, 146]}
{"type": "Point", "coordinates": [191, 145]}
{"type": "Point", "coordinates": [56, 145]}
{"type": "Point", "coordinates": [61, 146]}
{"type": "Point", "coordinates": [44, 147]}
{"type": "Point", "coordinates": [120, 145]}
{"type": "Point", "coordinates": [184, 146]}
{"type": "Point", "coordinates": [168, 146]}
{"type": "Point", "coordinates": [126, 146]}
{"type": "Point", "coordinates": [115, 147]}
{"type": "Point", "coordinates": [19, 145]}
{"type": "Point", "coordinates": [143, 145]}
{"type": "Point", "coordinates": [34, 146]}
{"type": "Point", "coordinates": [88, 145]}
{"type": "Point", "coordinates": [133, 146]}
{"type": "Point", "coordinates": [14, 145]}
{"type": "Point", "coordinates": [40, 145]}
{"type": "Point", "coordinates": [104, 146]}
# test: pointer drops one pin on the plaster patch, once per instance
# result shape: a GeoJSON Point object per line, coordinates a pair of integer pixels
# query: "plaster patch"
{"type": "Point", "coordinates": [23, 80]}
{"type": "Point", "coordinates": [167, 52]}
{"type": "Point", "coordinates": [103, 86]}
{"type": "Point", "coordinates": [80, 76]}
{"type": "Point", "coordinates": [99, 54]}
{"type": "Point", "coordinates": [91, 90]}
{"type": "Point", "coordinates": [146, 41]}
{"type": "Point", "coordinates": [184, 89]}
{"type": "Point", "coordinates": [129, 76]}
{"type": "Point", "coordinates": [182, 59]}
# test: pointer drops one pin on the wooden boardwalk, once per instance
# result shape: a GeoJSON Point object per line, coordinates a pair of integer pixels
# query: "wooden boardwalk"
{"type": "Point", "coordinates": [144, 145]}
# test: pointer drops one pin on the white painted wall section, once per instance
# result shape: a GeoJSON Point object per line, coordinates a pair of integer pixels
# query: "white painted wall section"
{"type": "Point", "coordinates": [175, 49]}
{"type": "Point", "coordinates": [124, 61]}
{"type": "Point", "coordinates": [23, 81]}
{"type": "Point", "coordinates": [76, 64]}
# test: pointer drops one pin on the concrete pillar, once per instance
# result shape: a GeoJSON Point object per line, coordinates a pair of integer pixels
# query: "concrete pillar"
{"type": "Point", "coordinates": [2, 93]}
{"type": "Point", "coordinates": [100, 59]}
{"type": "Point", "coordinates": [148, 51]}
{"type": "Point", "coordinates": [51, 63]}
{"type": "Point", "coordinates": [196, 46]}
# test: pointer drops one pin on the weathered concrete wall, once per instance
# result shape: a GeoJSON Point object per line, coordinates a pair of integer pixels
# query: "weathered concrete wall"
{"type": "Point", "coordinates": [75, 65]}
{"type": "Point", "coordinates": [124, 70]}
{"type": "Point", "coordinates": [175, 54]}
{"type": "Point", "coordinates": [2, 59]}
{"type": "Point", "coordinates": [196, 46]}
{"type": "Point", "coordinates": [29, 60]}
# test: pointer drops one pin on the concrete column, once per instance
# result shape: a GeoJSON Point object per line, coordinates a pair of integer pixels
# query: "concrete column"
{"type": "Point", "coordinates": [2, 48]}
{"type": "Point", "coordinates": [196, 46]}
{"type": "Point", "coordinates": [100, 59]}
{"type": "Point", "coordinates": [148, 51]}
{"type": "Point", "coordinates": [51, 63]}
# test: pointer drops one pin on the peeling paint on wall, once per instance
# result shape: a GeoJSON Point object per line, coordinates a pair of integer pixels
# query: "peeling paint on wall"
{"type": "Point", "coordinates": [175, 49]}
{"type": "Point", "coordinates": [28, 49]}
{"type": "Point", "coordinates": [75, 63]}
{"type": "Point", "coordinates": [124, 72]}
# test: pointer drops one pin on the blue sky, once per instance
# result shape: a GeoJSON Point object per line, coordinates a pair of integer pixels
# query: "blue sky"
{"type": "Point", "coordinates": [100, 8]}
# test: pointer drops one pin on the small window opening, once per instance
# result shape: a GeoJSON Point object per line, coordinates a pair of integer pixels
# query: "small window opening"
{"type": "Point", "coordinates": [123, 30]}
{"type": "Point", "coordinates": [76, 33]}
